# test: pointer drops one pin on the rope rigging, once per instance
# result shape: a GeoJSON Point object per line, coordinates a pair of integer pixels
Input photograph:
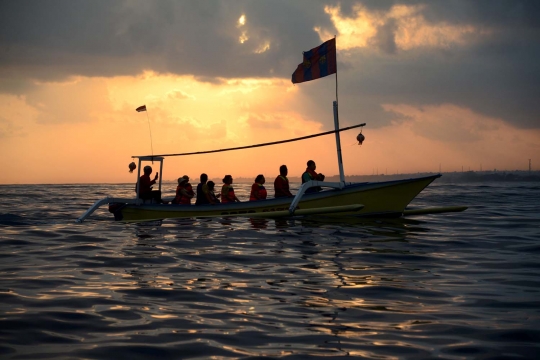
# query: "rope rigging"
{"type": "Point", "coordinates": [256, 145]}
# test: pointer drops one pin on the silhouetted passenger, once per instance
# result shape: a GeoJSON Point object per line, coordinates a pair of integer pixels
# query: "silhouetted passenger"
{"type": "Point", "coordinates": [310, 174]}
{"type": "Point", "coordinates": [202, 191]}
{"type": "Point", "coordinates": [211, 194]}
{"type": "Point", "coordinates": [145, 187]}
{"type": "Point", "coordinates": [258, 191]}
{"type": "Point", "coordinates": [281, 184]}
{"type": "Point", "coordinates": [184, 191]}
{"type": "Point", "coordinates": [227, 191]}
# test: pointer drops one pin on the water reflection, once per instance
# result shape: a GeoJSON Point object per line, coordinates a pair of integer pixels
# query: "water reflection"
{"type": "Point", "coordinates": [258, 223]}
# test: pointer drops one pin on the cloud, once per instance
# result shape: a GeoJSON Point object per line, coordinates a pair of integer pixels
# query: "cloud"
{"type": "Point", "coordinates": [385, 37]}
{"type": "Point", "coordinates": [426, 136]}
{"type": "Point", "coordinates": [401, 27]}
{"type": "Point", "coordinates": [480, 55]}
{"type": "Point", "coordinates": [190, 129]}
{"type": "Point", "coordinates": [16, 115]}
{"type": "Point", "coordinates": [104, 38]}
{"type": "Point", "coordinates": [237, 112]}
{"type": "Point", "coordinates": [281, 123]}
{"type": "Point", "coordinates": [9, 128]}
{"type": "Point", "coordinates": [179, 95]}
{"type": "Point", "coordinates": [446, 123]}
{"type": "Point", "coordinates": [73, 101]}
{"type": "Point", "coordinates": [263, 122]}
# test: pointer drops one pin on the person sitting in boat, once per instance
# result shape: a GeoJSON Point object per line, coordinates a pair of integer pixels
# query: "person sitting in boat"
{"type": "Point", "coordinates": [310, 174]}
{"type": "Point", "coordinates": [179, 189]}
{"type": "Point", "coordinates": [202, 191]}
{"type": "Point", "coordinates": [281, 184]}
{"type": "Point", "coordinates": [211, 194]}
{"type": "Point", "coordinates": [145, 186]}
{"type": "Point", "coordinates": [184, 191]}
{"type": "Point", "coordinates": [258, 191]}
{"type": "Point", "coordinates": [227, 191]}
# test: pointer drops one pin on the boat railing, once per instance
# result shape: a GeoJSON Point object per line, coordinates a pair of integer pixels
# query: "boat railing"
{"type": "Point", "coordinates": [305, 186]}
{"type": "Point", "coordinates": [107, 200]}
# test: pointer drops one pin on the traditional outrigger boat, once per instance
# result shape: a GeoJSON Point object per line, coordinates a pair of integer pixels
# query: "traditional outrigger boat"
{"type": "Point", "coordinates": [387, 199]}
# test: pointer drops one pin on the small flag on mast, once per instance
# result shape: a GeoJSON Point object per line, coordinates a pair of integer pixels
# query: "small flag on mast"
{"type": "Point", "coordinates": [141, 108]}
{"type": "Point", "coordinates": [318, 62]}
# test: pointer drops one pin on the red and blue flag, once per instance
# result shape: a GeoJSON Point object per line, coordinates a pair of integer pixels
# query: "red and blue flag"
{"type": "Point", "coordinates": [318, 62]}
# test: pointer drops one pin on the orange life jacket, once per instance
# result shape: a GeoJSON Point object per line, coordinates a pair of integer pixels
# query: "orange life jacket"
{"type": "Point", "coordinates": [257, 192]}
{"type": "Point", "coordinates": [185, 199]}
{"type": "Point", "coordinates": [178, 196]}
{"type": "Point", "coordinates": [281, 187]}
{"type": "Point", "coordinates": [227, 194]}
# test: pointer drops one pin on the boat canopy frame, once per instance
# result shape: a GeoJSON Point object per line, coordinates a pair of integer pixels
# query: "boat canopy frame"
{"type": "Point", "coordinates": [152, 159]}
{"type": "Point", "coordinates": [294, 204]}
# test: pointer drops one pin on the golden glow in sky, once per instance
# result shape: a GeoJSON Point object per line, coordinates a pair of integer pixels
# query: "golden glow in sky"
{"type": "Point", "coordinates": [87, 129]}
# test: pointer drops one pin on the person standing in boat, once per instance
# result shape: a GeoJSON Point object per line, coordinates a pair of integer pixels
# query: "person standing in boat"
{"type": "Point", "coordinates": [202, 191]}
{"type": "Point", "coordinates": [310, 174]}
{"type": "Point", "coordinates": [258, 191]}
{"type": "Point", "coordinates": [184, 191]}
{"type": "Point", "coordinates": [281, 184]}
{"type": "Point", "coordinates": [145, 186]}
{"type": "Point", "coordinates": [227, 191]}
{"type": "Point", "coordinates": [211, 194]}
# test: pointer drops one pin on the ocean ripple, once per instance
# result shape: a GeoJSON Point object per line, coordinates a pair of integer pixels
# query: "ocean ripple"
{"type": "Point", "coordinates": [459, 285]}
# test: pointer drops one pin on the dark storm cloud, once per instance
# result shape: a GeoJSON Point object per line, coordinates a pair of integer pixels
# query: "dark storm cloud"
{"type": "Point", "coordinates": [504, 86]}
{"type": "Point", "coordinates": [497, 75]}
{"type": "Point", "coordinates": [385, 39]}
{"type": "Point", "coordinates": [53, 39]}
{"type": "Point", "coordinates": [492, 13]}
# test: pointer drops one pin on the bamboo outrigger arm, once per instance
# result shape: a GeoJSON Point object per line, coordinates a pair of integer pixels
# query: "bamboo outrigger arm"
{"type": "Point", "coordinates": [104, 201]}
{"type": "Point", "coordinates": [307, 185]}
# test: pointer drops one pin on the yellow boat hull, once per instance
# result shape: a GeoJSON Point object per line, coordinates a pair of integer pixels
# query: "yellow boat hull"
{"type": "Point", "coordinates": [389, 198]}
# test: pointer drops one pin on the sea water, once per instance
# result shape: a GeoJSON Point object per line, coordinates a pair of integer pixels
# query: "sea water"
{"type": "Point", "coordinates": [451, 286]}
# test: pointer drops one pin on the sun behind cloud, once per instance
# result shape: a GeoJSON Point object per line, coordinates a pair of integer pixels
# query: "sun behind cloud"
{"type": "Point", "coordinates": [242, 20]}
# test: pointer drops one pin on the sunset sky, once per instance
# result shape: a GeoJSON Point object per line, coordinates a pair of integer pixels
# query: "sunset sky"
{"type": "Point", "coordinates": [439, 83]}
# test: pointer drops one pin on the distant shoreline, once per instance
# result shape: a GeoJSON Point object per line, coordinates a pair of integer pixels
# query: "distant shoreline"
{"type": "Point", "coordinates": [447, 177]}
{"type": "Point", "coordinates": [466, 176]}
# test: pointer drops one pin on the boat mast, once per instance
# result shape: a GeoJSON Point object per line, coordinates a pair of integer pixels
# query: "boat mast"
{"type": "Point", "coordinates": [336, 126]}
{"type": "Point", "coordinates": [338, 143]}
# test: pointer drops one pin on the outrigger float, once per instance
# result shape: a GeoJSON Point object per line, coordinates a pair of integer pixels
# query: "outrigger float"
{"type": "Point", "coordinates": [379, 199]}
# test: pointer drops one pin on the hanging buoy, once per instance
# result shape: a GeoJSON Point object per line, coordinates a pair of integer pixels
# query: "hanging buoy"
{"type": "Point", "coordinates": [132, 167]}
{"type": "Point", "coordinates": [360, 138]}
